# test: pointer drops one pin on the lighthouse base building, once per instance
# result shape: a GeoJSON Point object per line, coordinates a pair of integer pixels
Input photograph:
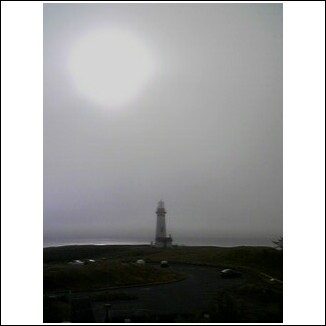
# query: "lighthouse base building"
{"type": "Point", "coordinates": [161, 240]}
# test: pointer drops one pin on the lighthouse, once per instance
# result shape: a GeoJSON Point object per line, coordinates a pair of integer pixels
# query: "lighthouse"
{"type": "Point", "coordinates": [161, 240]}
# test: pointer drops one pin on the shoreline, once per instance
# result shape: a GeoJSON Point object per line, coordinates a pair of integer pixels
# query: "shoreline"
{"type": "Point", "coordinates": [149, 245]}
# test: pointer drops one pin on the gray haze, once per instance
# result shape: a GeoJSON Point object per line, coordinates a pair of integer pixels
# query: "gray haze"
{"type": "Point", "coordinates": [205, 135]}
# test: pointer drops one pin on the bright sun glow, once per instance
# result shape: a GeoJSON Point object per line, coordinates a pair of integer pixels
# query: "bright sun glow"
{"type": "Point", "coordinates": [110, 67]}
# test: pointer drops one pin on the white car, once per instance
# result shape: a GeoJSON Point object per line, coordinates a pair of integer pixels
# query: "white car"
{"type": "Point", "coordinates": [164, 263]}
{"type": "Point", "coordinates": [230, 273]}
{"type": "Point", "coordinates": [76, 262]}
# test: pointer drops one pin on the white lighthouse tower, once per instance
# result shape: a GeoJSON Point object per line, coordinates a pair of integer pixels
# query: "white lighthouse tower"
{"type": "Point", "coordinates": [161, 240]}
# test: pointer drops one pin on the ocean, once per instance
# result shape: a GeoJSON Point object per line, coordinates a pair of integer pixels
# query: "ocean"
{"type": "Point", "coordinates": [216, 242]}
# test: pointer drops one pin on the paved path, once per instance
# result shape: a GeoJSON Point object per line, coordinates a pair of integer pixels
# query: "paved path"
{"type": "Point", "coordinates": [81, 311]}
{"type": "Point", "coordinates": [194, 294]}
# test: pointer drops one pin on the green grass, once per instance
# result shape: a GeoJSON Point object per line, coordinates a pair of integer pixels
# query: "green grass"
{"type": "Point", "coordinates": [114, 264]}
{"type": "Point", "coordinates": [261, 259]}
{"type": "Point", "coordinates": [56, 309]}
{"type": "Point", "coordinates": [65, 277]}
{"type": "Point", "coordinates": [257, 302]}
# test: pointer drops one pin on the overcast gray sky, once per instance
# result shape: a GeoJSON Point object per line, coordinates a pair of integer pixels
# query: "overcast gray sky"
{"type": "Point", "coordinates": [204, 135]}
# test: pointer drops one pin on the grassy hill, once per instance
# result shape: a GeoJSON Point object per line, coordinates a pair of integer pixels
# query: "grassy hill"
{"type": "Point", "coordinates": [103, 274]}
{"type": "Point", "coordinates": [262, 259]}
{"type": "Point", "coordinates": [253, 301]}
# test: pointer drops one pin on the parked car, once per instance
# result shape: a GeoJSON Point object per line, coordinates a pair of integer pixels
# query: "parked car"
{"type": "Point", "coordinates": [230, 273]}
{"type": "Point", "coordinates": [164, 263]}
{"type": "Point", "coordinates": [76, 262]}
{"type": "Point", "coordinates": [140, 261]}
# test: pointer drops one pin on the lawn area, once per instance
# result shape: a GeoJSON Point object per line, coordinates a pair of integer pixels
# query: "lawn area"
{"type": "Point", "coordinates": [261, 259]}
{"type": "Point", "coordinates": [254, 301]}
{"type": "Point", "coordinates": [65, 277]}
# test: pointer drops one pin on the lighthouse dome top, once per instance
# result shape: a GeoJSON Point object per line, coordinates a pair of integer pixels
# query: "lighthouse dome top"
{"type": "Point", "coordinates": [160, 204]}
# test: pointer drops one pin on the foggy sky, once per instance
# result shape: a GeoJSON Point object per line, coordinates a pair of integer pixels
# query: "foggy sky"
{"type": "Point", "coordinates": [205, 135]}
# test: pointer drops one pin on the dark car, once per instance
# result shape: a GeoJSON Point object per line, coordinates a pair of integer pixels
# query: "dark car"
{"type": "Point", "coordinates": [230, 273]}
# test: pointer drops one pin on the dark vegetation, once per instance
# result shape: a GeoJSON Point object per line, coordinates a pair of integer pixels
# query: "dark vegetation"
{"type": "Point", "coordinates": [278, 243]}
{"type": "Point", "coordinates": [56, 309]}
{"type": "Point", "coordinates": [252, 302]}
{"type": "Point", "coordinates": [248, 303]}
{"type": "Point", "coordinates": [255, 301]}
{"type": "Point", "coordinates": [103, 274]}
{"type": "Point", "coordinates": [264, 259]}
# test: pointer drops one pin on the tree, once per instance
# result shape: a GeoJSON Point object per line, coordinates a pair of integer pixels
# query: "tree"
{"type": "Point", "coordinates": [278, 243]}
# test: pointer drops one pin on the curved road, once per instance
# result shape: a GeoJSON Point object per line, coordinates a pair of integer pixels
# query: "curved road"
{"type": "Point", "coordinates": [195, 293]}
